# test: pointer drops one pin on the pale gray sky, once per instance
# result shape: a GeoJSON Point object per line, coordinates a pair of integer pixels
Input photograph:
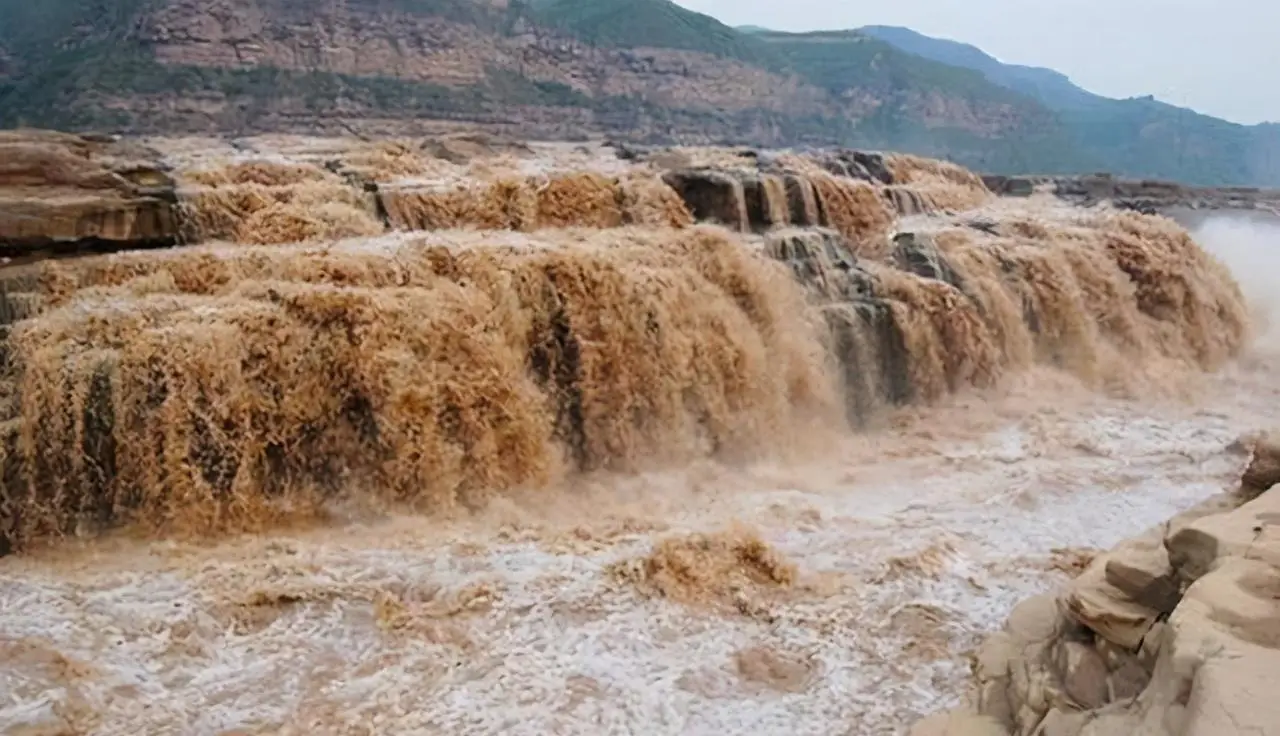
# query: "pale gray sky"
{"type": "Point", "coordinates": [1220, 57]}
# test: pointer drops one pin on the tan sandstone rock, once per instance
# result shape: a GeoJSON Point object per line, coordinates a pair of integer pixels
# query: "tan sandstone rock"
{"type": "Point", "coordinates": [1219, 666]}
{"type": "Point", "coordinates": [1263, 471]}
{"type": "Point", "coordinates": [958, 724]}
{"type": "Point", "coordinates": [1175, 632]}
{"type": "Point", "coordinates": [1251, 531]}
{"type": "Point", "coordinates": [58, 188]}
{"type": "Point", "coordinates": [1062, 723]}
{"type": "Point", "coordinates": [1212, 506]}
{"type": "Point", "coordinates": [1083, 673]}
{"type": "Point", "coordinates": [1140, 569]}
{"type": "Point", "coordinates": [1018, 672]}
{"type": "Point", "coordinates": [1107, 610]}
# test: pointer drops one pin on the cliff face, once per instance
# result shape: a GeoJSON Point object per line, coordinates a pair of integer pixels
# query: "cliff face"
{"type": "Point", "coordinates": [363, 39]}
{"type": "Point", "coordinates": [637, 70]}
{"type": "Point", "coordinates": [408, 65]}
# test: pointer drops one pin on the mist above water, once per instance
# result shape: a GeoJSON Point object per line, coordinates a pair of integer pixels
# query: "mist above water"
{"type": "Point", "coordinates": [1248, 243]}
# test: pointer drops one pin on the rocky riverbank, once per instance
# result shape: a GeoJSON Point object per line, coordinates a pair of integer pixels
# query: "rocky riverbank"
{"type": "Point", "coordinates": [1144, 195]}
{"type": "Point", "coordinates": [1176, 631]}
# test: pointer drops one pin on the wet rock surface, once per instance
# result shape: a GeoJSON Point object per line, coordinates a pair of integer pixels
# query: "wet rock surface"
{"type": "Point", "coordinates": [1175, 631]}
{"type": "Point", "coordinates": [919, 254]}
{"type": "Point", "coordinates": [1144, 195]}
{"type": "Point", "coordinates": [712, 196]}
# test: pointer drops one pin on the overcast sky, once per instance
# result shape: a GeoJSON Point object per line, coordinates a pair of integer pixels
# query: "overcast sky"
{"type": "Point", "coordinates": [1220, 57]}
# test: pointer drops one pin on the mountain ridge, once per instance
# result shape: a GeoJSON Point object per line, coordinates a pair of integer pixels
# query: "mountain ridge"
{"type": "Point", "coordinates": [643, 70]}
{"type": "Point", "coordinates": [1139, 135]}
{"type": "Point", "coordinates": [1051, 87]}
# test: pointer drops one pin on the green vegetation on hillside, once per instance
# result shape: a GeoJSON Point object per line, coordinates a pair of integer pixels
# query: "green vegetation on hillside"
{"type": "Point", "coordinates": [842, 60]}
{"type": "Point", "coordinates": [1053, 89]}
{"type": "Point", "coordinates": [649, 23]}
{"type": "Point", "coordinates": [79, 58]}
{"type": "Point", "coordinates": [848, 62]}
{"type": "Point", "coordinates": [1139, 137]}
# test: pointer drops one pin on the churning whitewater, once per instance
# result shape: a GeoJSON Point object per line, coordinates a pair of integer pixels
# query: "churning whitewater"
{"type": "Point", "coordinates": [580, 465]}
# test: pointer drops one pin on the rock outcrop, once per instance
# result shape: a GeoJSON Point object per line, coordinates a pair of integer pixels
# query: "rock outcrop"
{"type": "Point", "coordinates": [658, 74]}
{"type": "Point", "coordinates": [854, 192]}
{"type": "Point", "coordinates": [712, 196]}
{"type": "Point", "coordinates": [866, 339]}
{"type": "Point", "coordinates": [68, 192]}
{"type": "Point", "coordinates": [1174, 632]}
{"type": "Point", "coordinates": [1143, 195]}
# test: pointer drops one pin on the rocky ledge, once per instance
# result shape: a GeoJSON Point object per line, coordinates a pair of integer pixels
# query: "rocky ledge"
{"type": "Point", "coordinates": [1144, 195]}
{"type": "Point", "coordinates": [1176, 631]}
{"type": "Point", "coordinates": [70, 193]}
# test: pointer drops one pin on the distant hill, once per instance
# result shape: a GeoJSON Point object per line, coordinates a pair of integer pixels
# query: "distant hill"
{"type": "Point", "coordinates": [1140, 136]}
{"type": "Point", "coordinates": [645, 70]}
{"type": "Point", "coordinates": [905, 102]}
{"type": "Point", "coordinates": [1052, 88]}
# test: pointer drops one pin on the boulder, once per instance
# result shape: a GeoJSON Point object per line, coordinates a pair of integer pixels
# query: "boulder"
{"type": "Point", "coordinates": [1263, 470]}
{"type": "Point", "coordinates": [1059, 722]}
{"type": "Point", "coordinates": [1083, 673]}
{"type": "Point", "coordinates": [1212, 506]}
{"type": "Point", "coordinates": [1128, 680]}
{"type": "Point", "coordinates": [867, 166]}
{"type": "Point", "coordinates": [822, 260]}
{"type": "Point", "coordinates": [984, 224]}
{"type": "Point", "coordinates": [1017, 670]}
{"type": "Point", "coordinates": [874, 164]}
{"type": "Point", "coordinates": [1251, 531]}
{"type": "Point", "coordinates": [1010, 186]}
{"type": "Point", "coordinates": [1219, 664]}
{"type": "Point", "coordinates": [1117, 667]}
{"type": "Point", "coordinates": [866, 338]}
{"type": "Point", "coordinates": [1140, 569]}
{"type": "Point", "coordinates": [1106, 610]}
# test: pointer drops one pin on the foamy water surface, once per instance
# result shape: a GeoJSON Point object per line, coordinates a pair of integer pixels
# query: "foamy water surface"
{"type": "Point", "coordinates": [912, 542]}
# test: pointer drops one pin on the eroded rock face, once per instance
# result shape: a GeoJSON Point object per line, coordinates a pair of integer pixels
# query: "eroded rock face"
{"type": "Point", "coordinates": [1176, 631]}
{"type": "Point", "coordinates": [59, 190]}
{"type": "Point", "coordinates": [712, 196]}
{"type": "Point", "coordinates": [865, 338]}
{"type": "Point", "coordinates": [1250, 532]}
{"type": "Point", "coordinates": [919, 254]}
{"type": "Point", "coordinates": [868, 166]}
{"type": "Point", "coordinates": [1264, 468]}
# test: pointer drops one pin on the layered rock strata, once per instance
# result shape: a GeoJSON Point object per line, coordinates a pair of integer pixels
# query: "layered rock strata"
{"type": "Point", "coordinates": [61, 193]}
